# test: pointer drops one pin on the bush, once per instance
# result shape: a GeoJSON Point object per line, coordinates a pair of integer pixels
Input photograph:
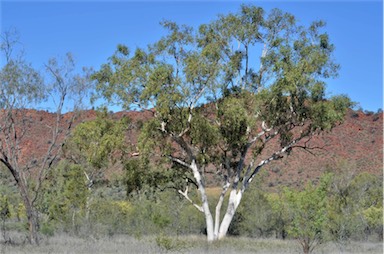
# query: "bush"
{"type": "Point", "coordinates": [47, 229]}
{"type": "Point", "coordinates": [245, 222]}
{"type": "Point", "coordinates": [166, 243]}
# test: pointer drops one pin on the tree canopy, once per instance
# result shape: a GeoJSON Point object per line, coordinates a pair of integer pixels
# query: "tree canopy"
{"type": "Point", "coordinates": [218, 104]}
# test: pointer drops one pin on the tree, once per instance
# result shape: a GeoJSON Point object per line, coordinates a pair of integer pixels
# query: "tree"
{"type": "Point", "coordinates": [367, 190]}
{"type": "Point", "coordinates": [307, 213]}
{"type": "Point", "coordinates": [217, 109]}
{"type": "Point", "coordinates": [354, 204]}
{"type": "Point", "coordinates": [22, 87]}
{"type": "Point", "coordinates": [342, 216]}
{"type": "Point", "coordinates": [95, 145]}
{"type": "Point", "coordinates": [65, 195]}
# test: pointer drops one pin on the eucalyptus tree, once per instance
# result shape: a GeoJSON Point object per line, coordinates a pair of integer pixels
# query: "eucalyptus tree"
{"type": "Point", "coordinates": [97, 143]}
{"type": "Point", "coordinates": [225, 95]}
{"type": "Point", "coordinates": [94, 145]}
{"type": "Point", "coordinates": [22, 87]}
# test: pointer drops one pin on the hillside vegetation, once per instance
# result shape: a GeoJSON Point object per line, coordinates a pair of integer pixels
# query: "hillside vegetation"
{"type": "Point", "coordinates": [221, 146]}
{"type": "Point", "coordinates": [112, 207]}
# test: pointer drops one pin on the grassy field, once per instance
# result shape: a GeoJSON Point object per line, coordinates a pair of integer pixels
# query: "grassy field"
{"type": "Point", "coordinates": [163, 244]}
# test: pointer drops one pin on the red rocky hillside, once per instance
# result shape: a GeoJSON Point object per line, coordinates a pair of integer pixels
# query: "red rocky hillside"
{"type": "Point", "coordinates": [358, 143]}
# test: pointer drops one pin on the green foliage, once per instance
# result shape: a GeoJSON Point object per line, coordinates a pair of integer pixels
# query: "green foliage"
{"type": "Point", "coordinates": [186, 68]}
{"type": "Point", "coordinates": [4, 208]}
{"type": "Point", "coordinates": [96, 140]}
{"type": "Point", "coordinates": [134, 176]}
{"type": "Point", "coordinates": [353, 198]}
{"type": "Point", "coordinates": [234, 120]}
{"type": "Point", "coordinates": [141, 178]}
{"type": "Point", "coordinates": [342, 207]}
{"type": "Point", "coordinates": [21, 85]}
{"type": "Point", "coordinates": [65, 196]}
{"type": "Point", "coordinates": [374, 217]}
{"type": "Point", "coordinates": [255, 216]}
{"type": "Point", "coordinates": [204, 133]}
{"type": "Point", "coordinates": [109, 217]}
{"type": "Point", "coordinates": [166, 243]}
{"type": "Point", "coordinates": [307, 213]}
{"type": "Point", "coordinates": [279, 216]}
{"type": "Point", "coordinates": [367, 190]}
{"type": "Point", "coordinates": [47, 229]}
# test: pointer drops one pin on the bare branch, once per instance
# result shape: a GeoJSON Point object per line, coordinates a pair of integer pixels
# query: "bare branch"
{"type": "Point", "coordinates": [185, 195]}
{"type": "Point", "coordinates": [308, 148]}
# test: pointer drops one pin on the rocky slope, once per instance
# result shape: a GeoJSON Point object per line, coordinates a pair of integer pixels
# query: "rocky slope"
{"type": "Point", "coordinates": [357, 144]}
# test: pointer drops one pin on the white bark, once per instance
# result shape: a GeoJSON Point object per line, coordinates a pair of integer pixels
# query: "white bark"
{"type": "Point", "coordinates": [204, 201]}
{"type": "Point", "coordinates": [218, 208]}
{"type": "Point", "coordinates": [185, 195]}
{"type": "Point", "coordinates": [234, 201]}
{"type": "Point", "coordinates": [215, 229]}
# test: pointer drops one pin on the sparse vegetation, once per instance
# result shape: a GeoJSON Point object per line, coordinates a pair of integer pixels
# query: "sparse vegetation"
{"type": "Point", "coordinates": [61, 244]}
{"type": "Point", "coordinates": [158, 184]}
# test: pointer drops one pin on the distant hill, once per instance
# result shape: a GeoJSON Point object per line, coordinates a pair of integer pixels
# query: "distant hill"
{"type": "Point", "coordinates": [358, 142]}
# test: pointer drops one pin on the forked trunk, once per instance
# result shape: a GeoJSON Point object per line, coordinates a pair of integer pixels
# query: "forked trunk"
{"type": "Point", "coordinates": [215, 229]}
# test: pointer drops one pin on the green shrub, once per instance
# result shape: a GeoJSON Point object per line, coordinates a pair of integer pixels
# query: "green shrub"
{"type": "Point", "coordinates": [47, 229]}
{"type": "Point", "coordinates": [166, 243]}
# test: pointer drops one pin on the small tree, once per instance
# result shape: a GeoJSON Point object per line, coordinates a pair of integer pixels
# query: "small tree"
{"type": "Point", "coordinates": [65, 195]}
{"type": "Point", "coordinates": [366, 195]}
{"type": "Point", "coordinates": [307, 210]}
{"type": "Point", "coordinates": [221, 110]}
{"type": "Point", "coordinates": [22, 87]}
{"type": "Point", "coordinates": [95, 145]}
{"type": "Point", "coordinates": [354, 204]}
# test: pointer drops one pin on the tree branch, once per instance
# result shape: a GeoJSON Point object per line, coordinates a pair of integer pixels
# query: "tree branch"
{"type": "Point", "coordinates": [177, 160]}
{"type": "Point", "coordinates": [308, 149]}
{"type": "Point", "coordinates": [185, 195]}
{"type": "Point", "coordinates": [275, 156]}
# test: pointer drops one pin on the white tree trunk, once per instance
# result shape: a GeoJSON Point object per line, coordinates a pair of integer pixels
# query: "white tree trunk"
{"type": "Point", "coordinates": [215, 229]}
{"type": "Point", "coordinates": [208, 221]}
{"type": "Point", "coordinates": [217, 216]}
{"type": "Point", "coordinates": [204, 200]}
{"type": "Point", "coordinates": [234, 201]}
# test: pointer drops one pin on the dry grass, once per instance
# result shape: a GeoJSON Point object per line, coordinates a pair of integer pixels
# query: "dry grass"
{"type": "Point", "coordinates": [64, 244]}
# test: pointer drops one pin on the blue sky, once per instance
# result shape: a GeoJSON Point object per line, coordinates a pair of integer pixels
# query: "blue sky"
{"type": "Point", "coordinates": [92, 29]}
